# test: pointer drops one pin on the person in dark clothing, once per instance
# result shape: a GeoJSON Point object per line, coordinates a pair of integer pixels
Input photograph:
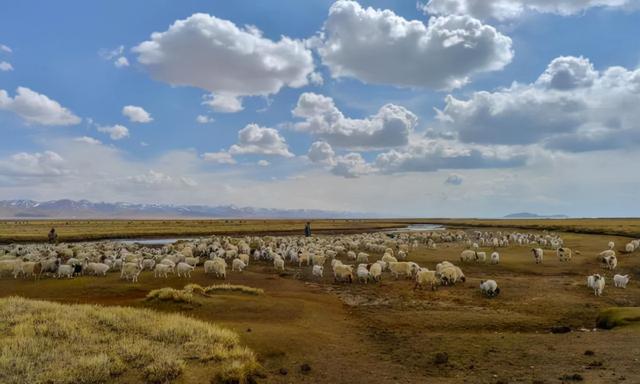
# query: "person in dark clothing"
{"type": "Point", "coordinates": [53, 236]}
{"type": "Point", "coordinates": [307, 229]}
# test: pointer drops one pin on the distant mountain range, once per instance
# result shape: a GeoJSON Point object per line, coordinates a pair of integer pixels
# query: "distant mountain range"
{"type": "Point", "coordinates": [83, 209]}
{"type": "Point", "coordinates": [529, 215]}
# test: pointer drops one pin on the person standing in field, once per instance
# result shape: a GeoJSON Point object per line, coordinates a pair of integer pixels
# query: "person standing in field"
{"type": "Point", "coordinates": [307, 229]}
{"type": "Point", "coordinates": [53, 236]}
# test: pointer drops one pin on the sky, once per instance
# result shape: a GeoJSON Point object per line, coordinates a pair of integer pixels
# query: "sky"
{"type": "Point", "coordinates": [443, 108]}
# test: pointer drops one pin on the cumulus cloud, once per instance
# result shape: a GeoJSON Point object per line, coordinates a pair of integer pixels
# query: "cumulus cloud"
{"type": "Point", "coordinates": [390, 127]}
{"type": "Point", "coordinates": [25, 165]}
{"type": "Point", "coordinates": [36, 108]}
{"type": "Point", "coordinates": [321, 152]}
{"type": "Point", "coordinates": [206, 52]}
{"type": "Point", "coordinates": [510, 9]}
{"type": "Point", "coordinates": [136, 114]}
{"type": "Point", "coordinates": [121, 62]}
{"type": "Point", "coordinates": [221, 157]}
{"type": "Point", "coordinates": [432, 155]}
{"type": "Point", "coordinates": [352, 165]}
{"type": "Point", "coordinates": [223, 103]}
{"type": "Point", "coordinates": [87, 140]}
{"type": "Point", "coordinates": [256, 140]}
{"type": "Point", "coordinates": [5, 67]}
{"type": "Point", "coordinates": [203, 119]}
{"type": "Point", "coordinates": [380, 47]}
{"type": "Point", "coordinates": [454, 179]}
{"type": "Point", "coordinates": [570, 107]}
{"type": "Point", "coordinates": [115, 132]}
{"type": "Point", "coordinates": [263, 163]}
{"type": "Point", "coordinates": [5, 48]}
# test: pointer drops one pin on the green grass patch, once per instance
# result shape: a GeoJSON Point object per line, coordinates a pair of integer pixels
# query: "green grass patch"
{"type": "Point", "coordinates": [617, 317]}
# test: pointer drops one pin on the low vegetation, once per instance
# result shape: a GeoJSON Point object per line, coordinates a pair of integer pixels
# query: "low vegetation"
{"type": "Point", "coordinates": [44, 342]}
{"type": "Point", "coordinates": [617, 317]}
{"type": "Point", "coordinates": [185, 295]}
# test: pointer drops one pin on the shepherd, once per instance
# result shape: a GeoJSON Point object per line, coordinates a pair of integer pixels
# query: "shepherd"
{"type": "Point", "coordinates": [307, 229]}
{"type": "Point", "coordinates": [53, 236]}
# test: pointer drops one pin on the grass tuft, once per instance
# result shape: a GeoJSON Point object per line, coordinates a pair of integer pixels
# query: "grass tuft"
{"type": "Point", "coordinates": [233, 288]}
{"type": "Point", "coordinates": [170, 294]}
{"type": "Point", "coordinates": [617, 317]}
{"type": "Point", "coordinates": [44, 342]}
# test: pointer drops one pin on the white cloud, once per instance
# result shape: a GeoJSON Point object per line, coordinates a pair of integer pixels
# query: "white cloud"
{"type": "Point", "coordinates": [121, 62]}
{"type": "Point", "coordinates": [511, 9]}
{"type": "Point", "coordinates": [316, 78]}
{"type": "Point", "coordinates": [116, 132]}
{"type": "Point", "coordinates": [221, 157]}
{"type": "Point", "coordinates": [454, 179]}
{"type": "Point", "coordinates": [87, 140]}
{"type": "Point", "coordinates": [206, 52]}
{"type": "Point", "coordinates": [5, 48]}
{"type": "Point", "coordinates": [36, 108]}
{"type": "Point", "coordinates": [380, 47]}
{"type": "Point", "coordinates": [321, 152]}
{"type": "Point", "coordinates": [203, 119]}
{"type": "Point", "coordinates": [23, 165]}
{"type": "Point", "coordinates": [223, 103]}
{"type": "Point", "coordinates": [136, 114]}
{"type": "Point", "coordinates": [390, 127]}
{"type": "Point", "coordinates": [263, 163]}
{"type": "Point", "coordinates": [5, 67]}
{"type": "Point", "coordinates": [570, 107]}
{"type": "Point", "coordinates": [256, 140]}
{"type": "Point", "coordinates": [351, 165]}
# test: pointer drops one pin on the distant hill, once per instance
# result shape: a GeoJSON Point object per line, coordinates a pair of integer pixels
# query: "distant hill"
{"type": "Point", "coordinates": [84, 209]}
{"type": "Point", "coordinates": [529, 215]}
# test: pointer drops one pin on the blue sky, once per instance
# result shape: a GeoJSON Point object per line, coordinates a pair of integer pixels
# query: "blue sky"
{"type": "Point", "coordinates": [372, 106]}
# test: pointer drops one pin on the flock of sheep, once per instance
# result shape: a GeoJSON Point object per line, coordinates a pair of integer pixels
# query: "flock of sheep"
{"type": "Point", "coordinates": [361, 257]}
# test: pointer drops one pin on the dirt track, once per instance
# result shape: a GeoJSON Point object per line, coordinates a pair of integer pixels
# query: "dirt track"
{"type": "Point", "coordinates": [389, 333]}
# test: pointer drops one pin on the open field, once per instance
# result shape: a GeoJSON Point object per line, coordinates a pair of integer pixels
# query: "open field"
{"type": "Point", "coordinates": [85, 230]}
{"type": "Point", "coordinates": [390, 333]}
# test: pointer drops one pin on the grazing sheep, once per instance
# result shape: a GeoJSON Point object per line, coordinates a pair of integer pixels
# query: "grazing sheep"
{"type": "Point", "coordinates": [402, 268]}
{"type": "Point", "coordinates": [538, 255]}
{"type": "Point", "coordinates": [442, 265]}
{"type": "Point", "coordinates": [489, 288]}
{"type": "Point", "coordinates": [401, 255]}
{"type": "Point", "coordinates": [304, 257]}
{"type": "Point", "coordinates": [319, 259]}
{"type": "Point", "coordinates": [467, 255]}
{"type": "Point", "coordinates": [278, 263]}
{"type": "Point", "coordinates": [375, 270]}
{"type": "Point", "coordinates": [362, 258]}
{"type": "Point", "coordinates": [564, 254]}
{"type": "Point", "coordinates": [598, 285]}
{"type": "Point", "coordinates": [387, 258]}
{"type": "Point", "coordinates": [351, 255]}
{"type": "Point", "coordinates": [31, 269]}
{"type": "Point", "coordinates": [192, 261]}
{"type": "Point", "coordinates": [219, 266]}
{"type": "Point", "coordinates": [65, 270]}
{"type": "Point", "coordinates": [98, 269]}
{"type": "Point", "coordinates": [607, 253]}
{"type": "Point", "coordinates": [630, 247]}
{"type": "Point", "coordinates": [362, 273]}
{"type": "Point", "coordinates": [343, 273]}
{"type": "Point", "coordinates": [184, 269]}
{"type": "Point", "coordinates": [620, 281]}
{"type": "Point", "coordinates": [451, 275]}
{"type": "Point", "coordinates": [481, 257]}
{"type": "Point", "coordinates": [237, 265]}
{"type": "Point", "coordinates": [131, 271]}
{"type": "Point", "coordinates": [148, 264]}
{"type": "Point", "coordinates": [611, 262]}
{"type": "Point", "coordinates": [245, 258]}
{"type": "Point", "coordinates": [611, 245]}
{"type": "Point", "coordinates": [163, 270]}
{"type": "Point", "coordinates": [495, 258]}
{"type": "Point", "coordinates": [318, 270]}
{"type": "Point", "coordinates": [424, 277]}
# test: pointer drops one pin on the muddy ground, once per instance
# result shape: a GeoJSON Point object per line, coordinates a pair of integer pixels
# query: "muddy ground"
{"type": "Point", "coordinates": [389, 333]}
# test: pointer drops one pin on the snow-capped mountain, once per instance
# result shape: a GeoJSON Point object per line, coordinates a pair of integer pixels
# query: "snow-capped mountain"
{"type": "Point", "coordinates": [86, 209]}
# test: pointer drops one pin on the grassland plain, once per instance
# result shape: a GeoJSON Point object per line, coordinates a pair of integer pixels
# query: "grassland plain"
{"type": "Point", "coordinates": [389, 333]}
{"type": "Point", "coordinates": [85, 230]}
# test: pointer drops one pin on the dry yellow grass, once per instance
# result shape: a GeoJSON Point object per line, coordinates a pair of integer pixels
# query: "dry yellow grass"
{"type": "Point", "coordinates": [44, 342]}
{"type": "Point", "coordinates": [185, 295]}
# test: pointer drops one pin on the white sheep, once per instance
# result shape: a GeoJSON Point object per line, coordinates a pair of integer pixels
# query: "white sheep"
{"type": "Point", "coordinates": [162, 270]}
{"type": "Point", "coordinates": [611, 245]}
{"type": "Point", "coordinates": [620, 281]}
{"type": "Point", "coordinates": [184, 269]}
{"type": "Point", "coordinates": [97, 269]}
{"type": "Point", "coordinates": [467, 255]}
{"type": "Point", "coordinates": [481, 257]}
{"type": "Point", "coordinates": [630, 247]}
{"type": "Point", "coordinates": [495, 258]}
{"type": "Point", "coordinates": [538, 255]}
{"type": "Point", "coordinates": [65, 270]}
{"type": "Point", "coordinates": [343, 273]}
{"type": "Point", "coordinates": [318, 270]}
{"type": "Point", "coordinates": [489, 288]}
{"type": "Point", "coordinates": [611, 262]}
{"type": "Point", "coordinates": [237, 265]}
{"type": "Point", "coordinates": [375, 270]}
{"type": "Point", "coordinates": [596, 282]}
{"type": "Point", "coordinates": [362, 258]}
{"type": "Point", "coordinates": [426, 277]}
{"type": "Point", "coordinates": [278, 263]}
{"type": "Point", "coordinates": [402, 268]}
{"type": "Point", "coordinates": [148, 264]}
{"type": "Point", "coordinates": [564, 254]}
{"type": "Point", "coordinates": [362, 273]}
{"type": "Point", "coordinates": [451, 275]}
